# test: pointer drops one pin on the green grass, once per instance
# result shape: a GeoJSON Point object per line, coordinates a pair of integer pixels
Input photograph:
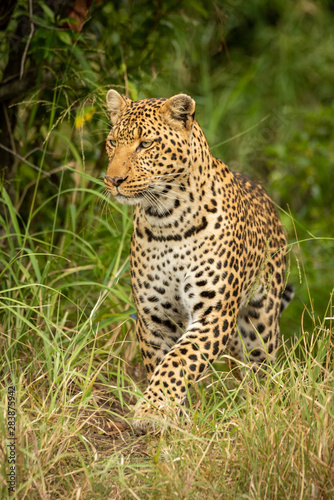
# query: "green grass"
{"type": "Point", "coordinates": [69, 348]}
{"type": "Point", "coordinates": [262, 77]}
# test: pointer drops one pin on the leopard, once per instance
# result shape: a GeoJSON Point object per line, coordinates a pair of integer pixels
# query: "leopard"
{"type": "Point", "coordinates": [207, 257]}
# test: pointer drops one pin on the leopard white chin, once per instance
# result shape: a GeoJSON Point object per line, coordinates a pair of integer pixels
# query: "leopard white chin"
{"type": "Point", "coordinates": [127, 200]}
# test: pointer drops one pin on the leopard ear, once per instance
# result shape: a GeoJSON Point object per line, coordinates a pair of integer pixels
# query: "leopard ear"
{"type": "Point", "coordinates": [116, 104]}
{"type": "Point", "coordinates": [179, 110]}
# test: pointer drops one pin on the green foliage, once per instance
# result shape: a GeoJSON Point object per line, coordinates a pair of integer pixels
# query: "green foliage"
{"type": "Point", "coordinates": [302, 168]}
{"type": "Point", "coordinates": [262, 76]}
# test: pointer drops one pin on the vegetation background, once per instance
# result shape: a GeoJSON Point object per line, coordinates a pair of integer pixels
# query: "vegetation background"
{"type": "Point", "coordinates": [262, 75]}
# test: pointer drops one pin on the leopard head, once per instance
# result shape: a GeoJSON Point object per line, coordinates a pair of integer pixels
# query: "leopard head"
{"type": "Point", "coordinates": [149, 147]}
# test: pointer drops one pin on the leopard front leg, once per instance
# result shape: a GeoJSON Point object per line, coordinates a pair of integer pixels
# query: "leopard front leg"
{"type": "Point", "coordinates": [155, 337]}
{"type": "Point", "coordinates": [184, 363]}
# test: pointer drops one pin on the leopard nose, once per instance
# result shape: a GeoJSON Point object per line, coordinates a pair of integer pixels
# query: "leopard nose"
{"type": "Point", "coordinates": [116, 181]}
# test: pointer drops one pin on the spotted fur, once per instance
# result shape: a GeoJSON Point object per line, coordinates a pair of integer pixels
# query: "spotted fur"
{"type": "Point", "coordinates": [207, 251]}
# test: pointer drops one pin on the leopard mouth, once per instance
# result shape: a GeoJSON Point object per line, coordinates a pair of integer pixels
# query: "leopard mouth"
{"type": "Point", "coordinates": [148, 196]}
{"type": "Point", "coordinates": [126, 200]}
{"type": "Point", "coordinates": [135, 197]}
{"type": "Point", "coordinates": [129, 200]}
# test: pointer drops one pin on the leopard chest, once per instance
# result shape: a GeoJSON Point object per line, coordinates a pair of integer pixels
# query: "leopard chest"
{"type": "Point", "coordinates": [160, 271]}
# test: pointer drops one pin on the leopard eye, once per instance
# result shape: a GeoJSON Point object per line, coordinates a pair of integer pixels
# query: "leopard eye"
{"type": "Point", "coordinates": [146, 144]}
{"type": "Point", "coordinates": [112, 143]}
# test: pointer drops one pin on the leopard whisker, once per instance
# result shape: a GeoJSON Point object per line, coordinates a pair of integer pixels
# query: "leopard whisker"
{"type": "Point", "coordinates": [165, 184]}
{"type": "Point", "coordinates": [174, 174]}
{"type": "Point", "coordinates": [164, 175]}
{"type": "Point", "coordinates": [170, 194]}
{"type": "Point", "coordinates": [150, 198]}
{"type": "Point", "coordinates": [105, 207]}
{"type": "Point", "coordinates": [161, 180]}
{"type": "Point", "coordinates": [157, 202]}
{"type": "Point", "coordinates": [154, 203]}
{"type": "Point", "coordinates": [102, 200]}
{"type": "Point", "coordinates": [169, 197]}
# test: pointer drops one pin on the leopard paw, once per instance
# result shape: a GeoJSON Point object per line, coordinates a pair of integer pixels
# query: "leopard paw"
{"type": "Point", "coordinates": [153, 417]}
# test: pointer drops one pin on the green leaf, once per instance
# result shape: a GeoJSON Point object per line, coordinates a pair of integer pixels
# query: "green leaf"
{"type": "Point", "coordinates": [65, 37]}
{"type": "Point", "coordinates": [49, 14]}
{"type": "Point", "coordinates": [133, 91]}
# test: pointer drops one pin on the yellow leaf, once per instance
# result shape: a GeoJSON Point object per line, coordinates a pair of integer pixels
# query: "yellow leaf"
{"type": "Point", "coordinates": [84, 115]}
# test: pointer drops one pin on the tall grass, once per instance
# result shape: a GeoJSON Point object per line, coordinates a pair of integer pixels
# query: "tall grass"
{"type": "Point", "coordinates": [67, 338]}
{"type": "Point", "coordinates": [68, 345]}
{"type": "Point", "coordinates": [76, 378]}
{"type": "Point", "coordinates": [54, 349]}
